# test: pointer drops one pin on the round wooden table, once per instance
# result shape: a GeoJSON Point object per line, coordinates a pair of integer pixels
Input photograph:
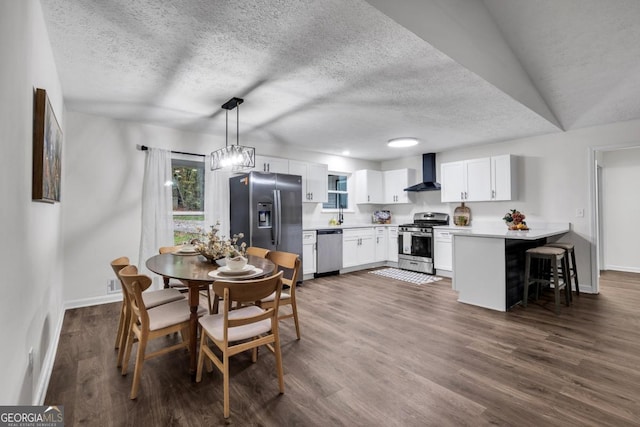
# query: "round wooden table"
{"type": "Point", "coordinates": [193, 271]}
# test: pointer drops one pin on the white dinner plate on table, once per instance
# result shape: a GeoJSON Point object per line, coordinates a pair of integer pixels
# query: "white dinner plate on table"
{"type": "Point", "coordinates": [245, 273]}
{"type": "Point", "coordinates": [186, 250]}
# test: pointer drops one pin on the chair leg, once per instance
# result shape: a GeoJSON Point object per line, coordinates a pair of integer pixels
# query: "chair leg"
{"type": "Point", "coordinates": [120, 332]}
{"type": "Point", "coordinates": [278, 354]}
{"type": "Point", "coordinates": [126, 331]}
{"type": "Point", "coordinates": [225, 381]}
{"type": "Point", "coordinates": [142, 346]}
{"type": "Point", "coordinates": [294, 308]}
{"type": "Point", "coordinates": [127, 351]}
{"type": "Point", "coordinates": [201, 355]}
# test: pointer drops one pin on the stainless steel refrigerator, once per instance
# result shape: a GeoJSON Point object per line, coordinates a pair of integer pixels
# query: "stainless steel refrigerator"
{"type": "Point", "coordinates": [267, 208]}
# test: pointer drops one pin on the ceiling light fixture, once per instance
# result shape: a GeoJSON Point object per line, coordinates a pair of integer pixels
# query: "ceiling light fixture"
{"type": "Point", "coordinates": [402, 142]}
{"type": "Point", "coordinates": [235, 157]}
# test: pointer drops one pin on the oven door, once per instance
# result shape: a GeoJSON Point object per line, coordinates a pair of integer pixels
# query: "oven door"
{"type": "Point", "coordinates": [420, 245]}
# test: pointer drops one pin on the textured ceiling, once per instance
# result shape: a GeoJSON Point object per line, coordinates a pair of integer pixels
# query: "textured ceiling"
{"type": "Point", "coordinates": [330, 75]}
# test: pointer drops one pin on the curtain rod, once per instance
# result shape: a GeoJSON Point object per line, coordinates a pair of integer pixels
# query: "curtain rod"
{"type": "Point", "coordinates": [145, 148]}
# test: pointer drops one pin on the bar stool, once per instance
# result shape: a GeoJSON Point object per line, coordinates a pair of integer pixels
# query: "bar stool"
{"type": "Point", "coordinates": [571, 265]}
{"type": "Point", "coordinates": [551, 256]}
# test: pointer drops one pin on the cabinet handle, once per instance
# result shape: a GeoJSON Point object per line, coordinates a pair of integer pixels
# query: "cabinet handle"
{"type": "Point", "coordinates": [368, 198]}
{"type": "Point", "coordinates": [462, 195]}
{"type": "Point", "coordinates": [465, 195]}
{"type": "Point", "coordinates": [311, 196]}
{"type": "Point", "coordinates": [493, 194]}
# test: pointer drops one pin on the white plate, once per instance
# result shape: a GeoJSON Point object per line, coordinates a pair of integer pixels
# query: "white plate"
{"type": "Point", "coordinates": [186, 250]}
{"type": "Point", "coordinates": [253, 272]}
{"type": "Point", "coordinates": [225, 270]}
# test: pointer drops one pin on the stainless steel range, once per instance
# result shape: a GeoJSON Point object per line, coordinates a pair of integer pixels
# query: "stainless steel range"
{"type": "Point", "coordinates": [415, 241]}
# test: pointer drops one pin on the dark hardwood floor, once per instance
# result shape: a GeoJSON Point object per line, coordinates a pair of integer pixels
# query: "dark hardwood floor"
{"type": "Point", "coordinates": [380, 352]}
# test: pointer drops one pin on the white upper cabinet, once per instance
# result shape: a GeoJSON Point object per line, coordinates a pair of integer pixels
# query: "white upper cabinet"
{"type": "Point", "coordinates": [453, 181]}
{"type": "Point", "coordinates": [478, 178]}
{"type": "Point", "coordinates": [314, 180]}
{"type": "Point", "coordinates": [475, 180]}
{"type": "Point", "coordinates": [368, 186]}
{"type": "Point", "coordinates": [395, 181]}
{"type": "Point", "coordinates": [383, 187]}
{"type": "Point", "coordinates": [272, 164]}
{"type": "Point", "coordinates": [503, 177]}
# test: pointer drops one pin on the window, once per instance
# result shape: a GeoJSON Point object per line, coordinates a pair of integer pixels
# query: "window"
{"type": "Point", "coordinates": [188, 198]}
{"type": "Point", "coordinates": [338, 192]}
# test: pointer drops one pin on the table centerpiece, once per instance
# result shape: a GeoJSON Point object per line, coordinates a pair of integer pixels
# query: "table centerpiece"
{"type": "Point", "coordinates": [214, 247]}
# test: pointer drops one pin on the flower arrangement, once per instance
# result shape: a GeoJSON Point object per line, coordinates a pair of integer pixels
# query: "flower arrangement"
{"type": "Point", "coordinates": [515, 220]}
{"type": "Point", "coordinates": [213, 247]}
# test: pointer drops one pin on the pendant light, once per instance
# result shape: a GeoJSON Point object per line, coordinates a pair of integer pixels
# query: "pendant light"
{"type": "Point", "coordinates": [235, 157]}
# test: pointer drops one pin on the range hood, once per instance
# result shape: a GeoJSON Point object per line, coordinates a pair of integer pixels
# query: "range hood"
{"type": "Point", "coordinates": [428, 175]}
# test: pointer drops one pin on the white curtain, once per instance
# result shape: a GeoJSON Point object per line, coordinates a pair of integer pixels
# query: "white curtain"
{"type": "Point", "coordinates": [157, 207]}
{"type": "Point", "coordinates": [216, 198]}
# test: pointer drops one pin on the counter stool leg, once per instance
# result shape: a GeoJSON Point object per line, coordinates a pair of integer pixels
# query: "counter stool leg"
{"type": "Point", "coordinates": [556, 287]}
{"type": "Point", "coordinates": [575, 271]}
{"type": "Point", "coordinates": [527, 270]}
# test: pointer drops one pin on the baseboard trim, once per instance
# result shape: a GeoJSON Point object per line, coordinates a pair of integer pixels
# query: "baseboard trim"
{"type": "Point", "coordinates": [47, 365]}
{"type": "Point", "coordinates": [622, 268]}
{"type": "Point", "coordinates": [86, 302]}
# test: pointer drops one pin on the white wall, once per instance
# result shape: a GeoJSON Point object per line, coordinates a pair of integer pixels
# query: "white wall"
{"type": "Point", "coordinates": [620, 209]}
{"type": "Point", "coordinates": [32, 258]}
{"type": "Point", "coordinates": [553, 181]}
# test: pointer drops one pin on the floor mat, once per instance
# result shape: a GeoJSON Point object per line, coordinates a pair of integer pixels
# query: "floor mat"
{"type": "Point", "coordinates": [407, 276]}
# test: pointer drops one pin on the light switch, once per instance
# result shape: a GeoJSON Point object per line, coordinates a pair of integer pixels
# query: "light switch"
{"type": "Point", "coordinates": [580, 213]}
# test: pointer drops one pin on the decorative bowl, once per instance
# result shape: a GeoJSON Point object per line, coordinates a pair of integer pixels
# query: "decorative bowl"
{"type": "Point", "coordinates": [236, 263]}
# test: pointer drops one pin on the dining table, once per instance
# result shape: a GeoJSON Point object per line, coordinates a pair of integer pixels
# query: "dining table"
{"type": "Point", "coordinates": [196, 272]}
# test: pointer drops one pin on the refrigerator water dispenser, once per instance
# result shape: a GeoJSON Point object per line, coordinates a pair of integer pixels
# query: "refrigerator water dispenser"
{"type": "Point", "coordinates": [264, 215]}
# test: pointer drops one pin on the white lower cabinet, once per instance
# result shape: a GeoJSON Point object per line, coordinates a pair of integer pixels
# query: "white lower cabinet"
{"type": "Point", "coordinates": [381, 243]}
{"type": "Point", "coordinates": [308, 252]}
{"type": "Point", "coordinates": [392, 244]}
{"type": "Point", "coordinates": [443, 250]}
{"type": "Point", "coordinates": [358, 247]}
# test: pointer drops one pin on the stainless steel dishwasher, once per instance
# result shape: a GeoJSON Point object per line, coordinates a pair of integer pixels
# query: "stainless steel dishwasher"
{"type": "Point", "coordinates": [329, 252]}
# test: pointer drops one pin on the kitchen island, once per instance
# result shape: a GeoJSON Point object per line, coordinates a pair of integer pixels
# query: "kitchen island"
{"type": "Point", "coordinates": [488, 262]}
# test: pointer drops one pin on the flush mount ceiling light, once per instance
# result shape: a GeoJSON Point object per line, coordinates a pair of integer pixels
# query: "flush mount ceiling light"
{"type": "Point", "coordinates": [235, 157]}
{"type": "Point", "coordinates": [402, 142]}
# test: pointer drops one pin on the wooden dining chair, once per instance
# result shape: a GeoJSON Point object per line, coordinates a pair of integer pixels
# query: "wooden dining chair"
{"type": "Point", "coordinates": [246, 328]}
{"type": "Point", "coordinates": [256, 251]}
{"type": "Point", "coordinates": [149, 324]}
{"type": "Point", "coordinates": [205, 290]}
{"type": "Point", "coordinates": [151, 299]}
{"type": "Point", "coordinates": [291, 263]}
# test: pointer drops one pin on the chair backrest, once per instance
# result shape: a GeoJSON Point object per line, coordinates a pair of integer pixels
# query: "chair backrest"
{"type": "Point", "coordinates": [256, 251]}
{"type": "Point", "coordinates": [248, 291]}
{"type": "Point", "coordinates": [288, 261]}
{"type": "Point", "coordinates": [117, 265]}
{"type": "Point", "coordinates": [168, 249]}
{"type": "Point", "coordinates": [134, 285]}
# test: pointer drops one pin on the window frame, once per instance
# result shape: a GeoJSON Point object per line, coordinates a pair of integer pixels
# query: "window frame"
{"type": "Point", "coordinates": [184, 160]}
{"type": "Point", "coordinates": [349, 192]}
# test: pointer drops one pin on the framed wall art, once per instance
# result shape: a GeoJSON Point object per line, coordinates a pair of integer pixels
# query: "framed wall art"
{"type": "Point", "coordinates": [47, 150]}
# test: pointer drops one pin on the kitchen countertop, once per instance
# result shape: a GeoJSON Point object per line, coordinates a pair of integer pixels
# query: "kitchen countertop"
{"type": "Point", "coordinates": [539, 231]}
{"type": "Point", "coordinates": [344, 226]}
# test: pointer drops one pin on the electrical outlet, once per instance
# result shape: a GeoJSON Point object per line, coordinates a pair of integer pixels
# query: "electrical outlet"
{"type": "Point", "coordinates": [580, 213]}
{"type": "Point", "coordinates": [30, 359]}
{"type": "Point", "coordinates": [113, 286]}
